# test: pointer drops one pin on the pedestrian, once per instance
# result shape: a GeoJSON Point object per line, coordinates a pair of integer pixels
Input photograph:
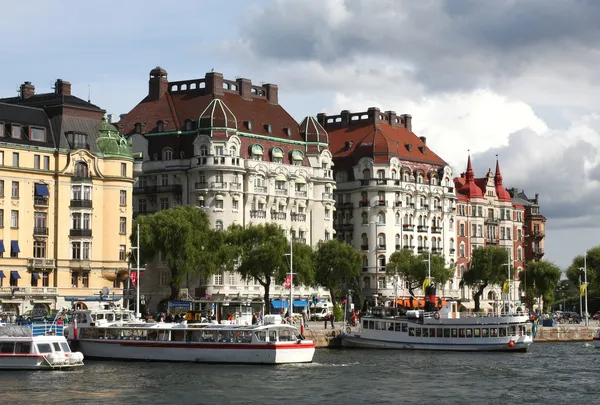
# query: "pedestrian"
{"type": "Point", "coordinates": [332, 318]}
{"type": "Point", "coordinates": [305, 318]}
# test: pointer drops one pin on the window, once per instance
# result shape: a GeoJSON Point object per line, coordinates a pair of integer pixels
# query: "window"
{"type": "Point", "coordinates": [122, 253]}
{"type": "Point", "coordinates": [75, 252]}
{"type": "Point", "coordinates": [46, 163]}
{"type": "Point", "coordinates": [39, 249]}
{"type": "Point", "coordinates": [365, 218]}
{"type": "Point", "coordinates": [219, 204]}
{"type": "Point", "coordinates": [142, 205]}
{"type": "Point", "coordinates": [218, 278]}
{"type": "Point", "coordinates": [164, 180]}
{"type": "Point", "coordinates": [37, 134]}
{"type": "Point", "coordinates": [462, 230]}
{"type": "Point", "coordinates": [167, 154]}
{"type": "Point", "coordinates": [519, 254]}
{"type": "Point", "coordinates": [219, 150]}
{"type": "Point", "coordinates": [461, 250]}
{"type": "Point", "coordinates": [219, 225]}
{"type": "Point", "coordinates": [203, 150]}
{"type": "Point", "coordinates": [81, 170]}
{"type": "Point", "coordinates": [15, 161]}
{"type": "Point", "coordinates": [77, 141]}
{"type": "Point", "coordinates": [164, 203]}
{"type": "Point", "coordinates": [45, 279]}
{"type": "Point", "coordinates": [14, 281]}
{"type": "Point", "coordinates": [1, 218]}
{"type": "Point", "coordinates": [1, 188]}
{"type": "Point", "coordinates": [231, 278]}
{"type": "Point", "coordinates": [14, 219]}
{"type": "Point", "coordinates": [160, 126]}
{"type": "Point", "coordinates": [381, 174]}
{"type": "Point", "coordinates": [85, 251]}
{"type": "Point", "coordinates": [40, 220]}
{"type": "Point", "coordinates": [163, 278]}
{"type": "Point", "coordinates": [232, 151]}
{"type": "Point", "coordinates": [235, 205]}
{"type": "Point", "coordinates": [16, 131]}
{"type": "Point", "coordinates": [124, 169]}
{"type": "Point", "coordinates": [75, 279]}
{"type": "Point", "coordinates": [15, 189]}
{"type": "Point", "coordinates": [36, 161]}
{"type": "Point", "coordinates": [122, 198]}
{"type": "Point", "coordinates": [327, 213]}
{"type": "Point", "coordinates": [123, 225]}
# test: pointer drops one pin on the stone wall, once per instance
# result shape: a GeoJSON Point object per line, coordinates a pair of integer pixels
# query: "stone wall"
{"type": "Point", "coordinates": [564, 333]}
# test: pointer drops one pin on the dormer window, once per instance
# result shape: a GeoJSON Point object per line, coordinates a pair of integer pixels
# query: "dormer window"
{"type": "Point", "coordinates": [188, 125]}
{"type": "Point", "coordinates": [287, 131]}
{"type": "Point", "coordinates": [248, 125]}
{"type": "Point", "coordinates": [160, 126]}
{"type": "Point", "coordinates": [16, 131]}
{"type": "Point", "coordinates": [81, 170]}
{"type": "Point", "coordinates": [137, 128]}
{"type": "Point", "coordinates": [37, 134]}
{"type": "Point", "coordinates": [268, 128]}
{"type": "Point", "coordinates": [203, 150]}
{"type": "Point", "coordinates": [297, 158]}
{"type": "Point", "coordinates": [232, 151]}
{"type": "Point", "coordinates": [167, 154]}
{"type": "Point", "coordinates": [257, 152]}
{"type": "Point", "coordinates": [77, 140]}
{"type": "Point", "coordinates": [277, 155]}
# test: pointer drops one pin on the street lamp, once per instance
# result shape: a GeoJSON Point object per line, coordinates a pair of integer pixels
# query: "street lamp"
{"type": "Point", "coordinates": [584, 268]}
{"type": "Point", "coordinates": [377, 225]}
{"type": "Point", "coordinates": [291, 275]}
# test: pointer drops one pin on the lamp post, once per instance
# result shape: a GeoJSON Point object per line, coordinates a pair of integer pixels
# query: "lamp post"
{"type": "Point", "coordinates": [291, 275]}
{"type": "Point", "coordinates": [377, 224]}
{"type": "Point", "coordinates": [585, 287]}
{"type": "Point", "coordinates": [137, 269]}
{"type": "Point", "coordinates": [580, 297]}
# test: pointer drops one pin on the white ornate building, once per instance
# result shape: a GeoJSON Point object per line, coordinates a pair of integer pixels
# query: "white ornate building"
{"type": "Point", "coordinates": [229, 148]}
{"type": "Point", "coordinates": [393, 192]}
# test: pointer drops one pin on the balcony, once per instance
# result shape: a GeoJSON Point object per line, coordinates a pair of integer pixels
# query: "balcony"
{"type": "Point", "coordinates": [491, 220]}
{"type": "Point", "coordinates": [436, 250]}
{"type": "Point", "coordinates": [408, 227]}
{"type": "Point", "coordinates": [258, 214]}
{"type": "Point", "coordinates": [382, 203]}
{"type": "Point", "coordinates": [40, 201]}
{"type": "Point", "coordinates": [327, 196]}
{"type": "Point", "coordinates": [491, 241]}
{"type": "Point", "coordinates": [452, 250]}
{"type": "Point", "coordinates": [538, 234]}
{"type": "Point", "coordinates": [218, 185]}
{"type": "Point", "coordinates": [425, 207]}
{"type": "Point", "coordinates": [398, 246]}
{"type": "Point", "coordinates": [346, 205]}
{"type": "Point", "coordinates": [40, 231]}
{"type": "Point", "coordinates": [398, 203]}
{"type": "Point", "coordinates": [301, 193]}
{"type": "Point", "coordinates": [218, 160]}
{"type": "Point", "coordinates": [364, 182]}
{"type": "Point", "coordinates": [81, 204]}
{"type": "Point", "coordinates": [381, 247]}
{"type": "Point", "coordinates": [346, 227]}
{"type": "Point", "coordinates": [172, 188]}
{"type": "Point", "coordinates": [80, 265]}
{"type": "Point", "coordinates": [365, 269]}
{"type": "Point", "coordinates": [201, 185]}
{"type": "Point", "coordinates": [436, 229]}
{"type": "Point", "coordinates": [407, 247]}
{"type": "Point", "coordinates": [81, 179]}
{"type": "Point", "coordinates": [300, 240]}
{"type": "Point", "coordinates": [297, 217]}
{"type": "Point", "coordinates": [411, 205]}
{"type": "Point", "coordinates": [421, 249]}
{"type": "Point", "coordinates": [422, 228]}
{"type": "Point", "coordinates": [40, 263]}
{"type": "Point", "coordinates": [80, 232]}
{"type": "Point", "coordinates": [28, 291]}
{"type": "Point", "coordinates": [279, 216]}
{"type": "Point", "coordinates": [260, 189]}
{"type": "Point", "coordinates": [363, 203]}
{"type": "Point", "coordinates": [450, 189]}
{"type": "Point", "coordinates": [235, 186]}
{"type": "Point", "coordinates": [364, 247]}
{"type": "Point", "coordinates": [281, 192]}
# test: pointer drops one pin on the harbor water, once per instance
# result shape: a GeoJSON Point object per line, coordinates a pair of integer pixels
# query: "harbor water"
{"type": "Point", "coordinates": [548, 374]}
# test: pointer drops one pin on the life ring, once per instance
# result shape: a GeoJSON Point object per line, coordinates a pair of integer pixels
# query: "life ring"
{"type": "Point", "coordinates": [348, 330]}
{"type": "Point", "coordinates": [436, 315]}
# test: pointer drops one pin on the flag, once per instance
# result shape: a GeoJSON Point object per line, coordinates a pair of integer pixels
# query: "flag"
{"type": "Point", "coordinates": [426, 282]}
{"type": "Point", "coordinates": [288, 281]}
{"type": "Point", "coordinates": [582, 288]}
{"type": "Point", "coordinates": [506, 286]}
{"type": "Point", "coordinates": [133, 277]}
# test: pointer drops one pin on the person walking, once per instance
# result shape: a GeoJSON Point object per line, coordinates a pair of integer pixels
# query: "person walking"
{"type": "Point", "coordinates": [332, 318]}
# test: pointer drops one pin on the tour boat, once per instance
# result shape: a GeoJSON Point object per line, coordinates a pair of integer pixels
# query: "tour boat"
{"type": "Point", "coordinates": [36, 347]}
{"type": "Point", "coordinates": [596, 341]}
{"type": "Point", "coordinates": [101, 335]}
{"type": "Point", "coordinates": [446, 329]}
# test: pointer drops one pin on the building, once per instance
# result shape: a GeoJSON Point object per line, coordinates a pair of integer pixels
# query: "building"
{"type": "Point", "coordinates": [229, 148]}
{"type": "Point", "coordinates": [65, 202]}
{"type": "Point", "coordinates": [393, 192]}
{"type": "Point", "coordinates": [488, 215]}
{"type": "Point", "coordinates": [534, 228]}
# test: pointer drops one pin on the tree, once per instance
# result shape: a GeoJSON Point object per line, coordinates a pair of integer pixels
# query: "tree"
{"type": "Point", "coordinates": [540, 279]}
{"type": "Point", "coordinates": [592, 265]}
{"type": "Point", "coordinates": [488, 267]}
{"type": "Point", "coordinates": [414, 268]}
{"type": "Point", "coordinates": [337, 266]}
{"type": "Point", "coordinates": [185, 240]}
{"type": "Point", "coordinates": [262, 255]}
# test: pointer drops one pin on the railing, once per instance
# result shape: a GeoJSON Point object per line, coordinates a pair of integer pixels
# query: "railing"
{"type": "Point", "coordinates": [300, 240]}
{"type": "Point", "coordinates": [40, 201]}
{"type": "Point", "coordinates": [219, 160]}
{"type": "Point", "coordinates": [281, 191]}
{"type": "Point", "coordinates": [218, 185]}
{"type": "Point", "coordinates": [436, 229]}
{"type": "Point", "coordinates": [422, 228]}
{"type": "Point", "coordinates": [491, 241]}
{"type": "Point", "coordinates": [398, 203]}
{"type": "Point", "coordinates": [235, 186]}
{"type": "Point", "coordinates": [76, 203]}
{"type": "Point", "coordinates": [172, 188]}
{"type": "Point", "coordinates": [278, 215]}
{"type": "Point", "coordinates": [297, 217]}
{"type": "Point", "coordinates": [40, 263]}
{"type": "Point", "coordinates": [363, 203]}
{"type": "Point", "coordinates": [201, 185]}
{"type": "Point", "coordinates": [258, 214]}
{"type": "Point", "coordinates": [538, 251]}
{"type": "Point", "coordinates": [260, 189]}
{"type": "Point", "coordinates": [47, 329]}
{"type": "Point", "coordinates": [81, 179]}
{"type": "Point", "coordinates": [491, 220]}
{"type": "Point", "coordinates": [300, 193]}
{"type": "Point", "coordinates": [40, 231]}
{"type": "Point", "coordinates": [380, 247]}
{"type": "Point", "coordinates": [28, 291]}
{"type": "Point", "coordinates": [327, 196]}
{"type": "Point", "coordinates": [80, 232]}
{"type": "Point", "coordinates": [364, 247]}
{"type": "Point", "coordinates": [408, 227]}
{"type": "Point", "coordinates": [538, 234]}
{"type": "Point", "coordinates": [346, 205]}
{"type": "Point", "coordinates": [382, 203]}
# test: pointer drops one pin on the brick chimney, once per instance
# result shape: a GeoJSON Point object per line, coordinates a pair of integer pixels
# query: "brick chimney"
{"type": "Point", "coordinates": [391, 116]}
{"type": "Point", "coordinates": [345, 117]}
{"type": "Point", "coordinates": [272, 93]}
{"type": "Point", "coordinates": [423, 139]}
{"type": "Point", "coordinates": [407, 121]}
{"type": "Point", "coordinates": [374, 115]}
{"type": "Point", "coordinates": [244, 88]}
{"type": "Point", "coordinates": [322, 119]}
{"type": "Point", "coordinates": [27, 90]}
{"type": "Point", "coordinates": [62, 87]}
{"type": "Point", "coordinates": [158, 84]}
{"type": "Point", "coordinates": [214, 83]}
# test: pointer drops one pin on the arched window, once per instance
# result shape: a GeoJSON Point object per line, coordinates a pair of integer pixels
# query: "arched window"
{"type": "Point", "coordinates": [433, 243]}
{"type": "Point", "coordinates": [381, 218]}
{"type": "Point", "coordinates": [167, 154]}
{"type": "Point", "coordinates": [451, 243]}
{"type": "Point", "coordinates": [367, 282]}
{"type": "Point", "coordinates": [406, 219]}
{"type": "Point", "coordinates": [519, 254]}
{"type": "Point", "coordinates": [420, 178]}
{"type": "Point", "coordinates": [233, 151]}
{"type": "Point", "coordinates": [491, 296]}
{"type": "Point", "coordinates": [397, 238]}
{"type": "Point", "coordinates": [219, 225]}
{"type": "Point", "coordinates": [381, 174]}
{"type": "Point", "coordinates": [365, 218]}
{"type": "Point", "coordinates": [203, 150]}
{"type": "Point", "coordinates": [420, 241]}
{"type": "Point", "coordinates": [381, 240]}
{"type": "Point", "coordinates": [461, 250]}
{"type": "Point", "coordinates": [405, 242]}
{"type": "Point", "coordinates": [364, 239]}
{"type": "Point", "coordinates": [81, 169]}
{"type": "Point", "coordinates": [365, 262]}
{"type": "Point", "coordinates": [433, 181]}
{"type": "Point", "coordinates": [405, 176]}
{"type": "Point", "coordinates": [381, 263]}
{"type": "Point", "coordinates": [407, 201]}
{"type": "Point", "coordinates": [366, 174]}
{"type": "Point", "coordinates": [421, 222]}
{"type": "Point", "coordinates": [398, 218]}
{"type": "Point", "coordinates": [393, 173]}
{"type": "Point", "coordinates": [381, 195]}
{"type": "Point", "coordinates": [460, 270]}
{"type": "Point", "coordinates": [160, 126]}
{"type": "Point", "coordinates": [137, 128]}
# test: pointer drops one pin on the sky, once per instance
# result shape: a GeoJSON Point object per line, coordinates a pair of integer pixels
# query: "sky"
{"type": "Point", "coordinates": [517, 79]}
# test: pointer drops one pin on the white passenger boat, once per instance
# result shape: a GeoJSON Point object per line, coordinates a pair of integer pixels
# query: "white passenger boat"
{"type": "Point", "coordinates": [446, 329]}
{"type": "Point", "coordinates": [39, 346]}
{"type": "Point", "coordinates": [127, 339]}
{"type": "Point", "coordinates": [596, 341]}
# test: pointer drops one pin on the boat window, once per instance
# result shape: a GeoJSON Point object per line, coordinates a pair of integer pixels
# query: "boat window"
{"type": "Point", "coordinates": [502, 332]}
{"type": "Point", "coordinates": [152, 335]}
{"type": "Point", "coordinates": [127, 334]}
{"type": "Point", "coordinates": [411, 331]}
{"type": "Point", "coordinates": [112, 333]}
{"type": "Point", "coordinates": [140, 334]}
{"type": "Point", "coordinates": [118, 317]}
{"type": "Point", "coordinates": [272, 336]}
{"type": "Point", "coordinates": [528, 330]}
{"type": "Point", "coordinates": [461, 333]}
{"type": "Point", "coordinates": [56, 346]}
{"type": "Point", "coordinates": [418, 332]}
{"type": "Point", "coordinates": [23, 348]}
{"type": "Point", "coordinates": [7, 347]}
{"type": "Point", "coordinates": [469, 333]}
{"type": "Point", "coordinates": [110, 317]}
{"type": "Point", "coordinates": [398, 327]}
{"type": "Point", "coordinates": [493, 332]}
{"type": "Point", "coordinates": [163, 335]}
{"type": "Point", "coordinates": [440, 332]}
{"type": "Point", "coordinates": [44, 348]}
{"type": "Point", "coordinates": [391, 326]}
{"type": "Point", "coordinates": [425, 332]}
{"type": "Point", "coordinates": [80, 317]}
{"type": "Point", "coordinates": [446, 333]}
{"type": "Point", "coordinates": [178, 335]}
{"type": "Point", "coordinates": [484, 332]}
{"type": "Point", "coordinates": [513, 331]}
{"type": "Point", "coordinates": [245, 336]}
{"type": "Point", "coordinates": [453, 332]}
{"type": "Point", "coordinates": [224, 336]}
{"type": "Point", "coordinates": [285, 336]}
{"type": "Point", "coordinates": [432, 332]}
{"type": "Point", "coordinates": [208, 336]}
{"type": "Point", "coordinates": [261, 335]}
{"type": "Point", "coordinates": [404, 327]}
{"type": "Point", "coordinates": [65, 347]}
{"type": "Point", "coordinates": [371, 324]}
{"type": "Point", "coordinates": [365, 324]}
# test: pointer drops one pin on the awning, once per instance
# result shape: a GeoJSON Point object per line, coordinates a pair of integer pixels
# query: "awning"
{"type": "Point", "coordinates": [75, 299]}
{"type": "Point", "coordinates": [277, 152]}
{"type": "Point", "coordinates": [300, 180]}
{"type": "Point", "coordinates": [14, 246]}
{"type": "Point", "coordinates": [293, 228]}
{"type": "Point", "coordinates": [280, 177]}
{"type": "Point", "coordinates": [2, 246]}
{"type": "Point", "coordinates": [300, 303]}
{"type": "Point", "coordinates": [200, 198]}
{"type": "Point", "coordinates": [262, 200]}
{"type": "Point", "coordinates": [15, 275]}
{"type": "Point", "coordinates": [257, 150]}
{"type": "Point", "coordinates": [468, 304]}
{"type": "Point", "coordinates": [297, 155]}
{"type": "Point", "coordinates": [35, 276]}
{"type": "Point", "coordinates": [301, 203]}
{"type": "Point", "coordinates": [219, 197]}
{"type": "Point", "coordinates": [280, 304]}
{"type": "Point", "coordinates": [235, 197]}
{"type": "Point", "coordinates": [41, 190]}
{"type": "Point", "coordinates": [2, 274]}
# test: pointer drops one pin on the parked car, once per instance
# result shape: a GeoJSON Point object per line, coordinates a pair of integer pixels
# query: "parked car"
{"type": "Point", "coordinates": [35, 315]}
{"type": "Point", "coordinates": [570, 317]}
{"type": "Point", "coordinates": [596, 316]}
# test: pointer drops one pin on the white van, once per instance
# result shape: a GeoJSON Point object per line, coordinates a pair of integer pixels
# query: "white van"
{"type": "Point", "coordinates": [319, 310]}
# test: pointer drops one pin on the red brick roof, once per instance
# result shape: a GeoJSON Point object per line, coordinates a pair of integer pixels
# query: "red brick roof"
{"type": "Point", "coordinates": [468, 187]}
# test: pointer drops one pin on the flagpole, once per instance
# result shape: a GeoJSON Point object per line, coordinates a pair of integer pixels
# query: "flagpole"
{"type": "Point", "coordinates": [291, 279]}
{"type": "Point", "coordinates": [137, 278]}
{"type": "Point", "coordinates": [585, 286]}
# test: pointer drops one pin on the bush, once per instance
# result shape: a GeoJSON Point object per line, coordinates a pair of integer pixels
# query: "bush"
{"type": "Point", "coordinates": [338, 313]}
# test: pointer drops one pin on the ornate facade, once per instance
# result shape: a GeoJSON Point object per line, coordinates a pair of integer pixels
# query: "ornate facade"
{"type": "Point", "coordinates": [229, 148]}
{"type": "Point", "coordinates": [534, 227]}
{"type": "Point", "coordinates": [393, 192]}
{"type": "Point", "coordinates": [65, 202]}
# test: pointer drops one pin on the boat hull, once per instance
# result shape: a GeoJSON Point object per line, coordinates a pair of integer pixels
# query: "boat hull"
{"type": "Point", "coordinates": [596, 342]}
{"type": "Point", "coordinates": [31, 362]}
{"type": "Point", "coordinates": [279, 353]}
{"type": "Point", "coordinates": [356, 341]}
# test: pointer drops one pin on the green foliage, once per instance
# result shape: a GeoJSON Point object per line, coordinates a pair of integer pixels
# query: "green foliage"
{"type": "Point", "coordinates": [183, 236]}
{"type": "Point", "coordinates": [414, 268]}
{"type": "Point", "coordinates": [488, 267]}
{"type": "Point", "coordinates": [338, 313]}
{"type": "Point", "coordinates": [593, 270]}
{"type": "Point", "coordinates": [540, 279]}
{"type": "Point", "coordinates": [336, 265]}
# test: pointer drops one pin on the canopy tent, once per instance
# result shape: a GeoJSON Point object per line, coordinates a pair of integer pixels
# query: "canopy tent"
{"type": "Point", "coordinates": [300, 303]}
{"type": "Point", "coordinates": [277, 304]}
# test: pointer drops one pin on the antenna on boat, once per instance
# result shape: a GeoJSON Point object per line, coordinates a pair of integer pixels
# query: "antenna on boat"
{"type": "Point", "coordinates": [137, 269]}
{"type": "Point", "coordinates": [291, 255]}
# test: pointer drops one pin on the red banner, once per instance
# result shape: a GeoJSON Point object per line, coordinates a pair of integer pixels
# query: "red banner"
{"type": "Point", "coordinates": [288, 282]}
{"type": "Point", "coordinates": [133, 277]}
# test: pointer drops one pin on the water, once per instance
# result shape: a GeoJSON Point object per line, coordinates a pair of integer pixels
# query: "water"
{"type": "Point", "coordinates": [547, 374]}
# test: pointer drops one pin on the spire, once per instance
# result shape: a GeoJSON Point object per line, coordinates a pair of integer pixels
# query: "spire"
{"type": "Point", "coordinates": [470, 173]}
{"type": "Point", "coordinates": [498, 175]}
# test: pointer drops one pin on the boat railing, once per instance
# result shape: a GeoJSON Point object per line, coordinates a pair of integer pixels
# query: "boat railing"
{"type": "Point", "coordinates": [47, 329]}
{"type": "Point", "coordinates": [477, 314]}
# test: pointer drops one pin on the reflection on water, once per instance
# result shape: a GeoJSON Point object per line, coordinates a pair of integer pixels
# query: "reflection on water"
{"type": "Point", "coordinates": [548, 374]}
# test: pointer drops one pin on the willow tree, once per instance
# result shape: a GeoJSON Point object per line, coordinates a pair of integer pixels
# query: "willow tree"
{"type": "Point", "coordinates": [263, 255]}
{"type": "Point", "coordinates": [488, 268]}
{"type": "Point", "coordinates": [185, 240]}
{"type": "Point", "coordinates": [337, 266]}
{"type": "Point", "coordinates": [540, 279]}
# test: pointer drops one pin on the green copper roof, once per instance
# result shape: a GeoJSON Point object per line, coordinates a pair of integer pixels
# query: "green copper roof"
{"type": "Point", "coordinates": [111, 143]}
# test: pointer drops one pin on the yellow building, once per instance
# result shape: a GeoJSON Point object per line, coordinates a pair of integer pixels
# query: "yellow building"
{"type": "Point", "coordinates": [66, 180]}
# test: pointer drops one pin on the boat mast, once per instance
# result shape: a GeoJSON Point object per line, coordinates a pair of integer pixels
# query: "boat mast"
{"type": "Point", "coordinates": [137, 279]}
{"type": "Point", "coordinates": [508, 267]}
{"type": "Point", "coordinates": [291, 279]}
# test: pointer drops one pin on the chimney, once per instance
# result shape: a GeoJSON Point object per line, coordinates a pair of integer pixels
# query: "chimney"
{"type": "Point", "coordinates": [391, 116]}
{"type": "Point", "coordinates": [27, 90]}
{"type": "Point", "coordinates": [214, 83]}
{"type": "Point", "coordinates": [322, 119]}
{"type": "Point", "coordinates": [62, 88]}
{"type": "Point", "coordinates": [272, 93]}
{"type": "Point", "coordinates": [374, 115]}
{"type": "Point", "coordinates": [423, 139]}
{"type": "Point", "coordinates": [345, 114]}
{"type": "Point", "coordinates": [244, 88]}
{"type": "Point", "coordinates": [158, 84]}
{"type": "Point", "coordinates": [407, 121]}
